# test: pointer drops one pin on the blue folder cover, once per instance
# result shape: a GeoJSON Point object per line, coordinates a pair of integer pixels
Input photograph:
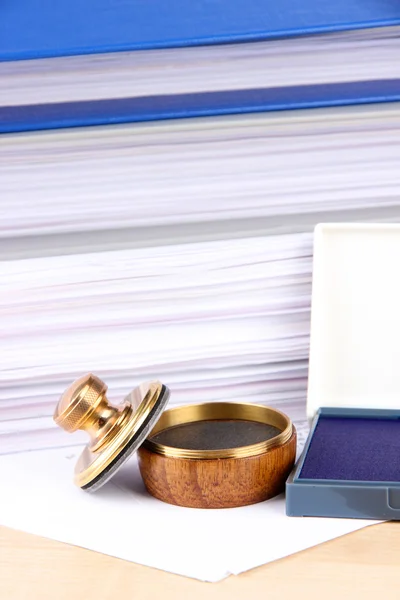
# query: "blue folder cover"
{"type": "Point", "coordinates": [45, 28]}
{"type": "Point", "coordinates": [116, 111]}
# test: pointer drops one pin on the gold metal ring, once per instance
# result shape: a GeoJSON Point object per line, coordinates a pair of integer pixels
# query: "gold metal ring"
{"type": "Point", "coordinates": [211, 411]}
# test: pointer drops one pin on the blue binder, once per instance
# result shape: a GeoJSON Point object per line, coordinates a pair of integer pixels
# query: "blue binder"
{"type": "Point", "coordinates": [45, 28]}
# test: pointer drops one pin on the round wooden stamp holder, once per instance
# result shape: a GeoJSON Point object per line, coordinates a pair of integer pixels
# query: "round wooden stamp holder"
{"type": "Point", "coordinates": [191, 468]}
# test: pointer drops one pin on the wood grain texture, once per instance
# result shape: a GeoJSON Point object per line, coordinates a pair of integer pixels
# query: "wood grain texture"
{"type": "Point", "coordinates": [217, 483]}
{"type": "Point", "coordinates": [363, 565]}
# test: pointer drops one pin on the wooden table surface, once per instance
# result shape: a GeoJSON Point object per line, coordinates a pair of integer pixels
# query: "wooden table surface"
{"type": "Point", "coordinates": [364, 565]}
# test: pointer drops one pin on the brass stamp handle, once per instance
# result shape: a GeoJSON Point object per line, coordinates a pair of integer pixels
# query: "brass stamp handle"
{"type": "Point", "coordinates": [84, 406]}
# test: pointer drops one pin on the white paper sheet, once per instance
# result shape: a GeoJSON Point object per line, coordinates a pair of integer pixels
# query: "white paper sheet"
{"type": "Point", "coordinates": [122, 520]}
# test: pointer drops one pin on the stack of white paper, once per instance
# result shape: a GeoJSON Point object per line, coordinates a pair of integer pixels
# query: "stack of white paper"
{"type": "Point", "coordinates": [197, 179]}
{"type": "Point", "coordinates": [214, 321]}
{"type": "Point", "coordinates": [363, 55]}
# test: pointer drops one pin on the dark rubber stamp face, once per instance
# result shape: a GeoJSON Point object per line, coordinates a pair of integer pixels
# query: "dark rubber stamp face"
{"type": "Point", "coordinates": [359, 449]}
{"type": "Point", "coordinates": [215, 435]}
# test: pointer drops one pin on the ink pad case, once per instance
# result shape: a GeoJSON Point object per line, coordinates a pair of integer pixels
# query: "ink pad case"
{"type": "Point", "coordinates": [350, 466]}
{"type": "Point", "coordinates": [211, 455]}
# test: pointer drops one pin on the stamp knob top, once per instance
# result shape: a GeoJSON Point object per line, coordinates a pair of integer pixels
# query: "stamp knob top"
{"type": "Point", "coordinates": [79, 402]}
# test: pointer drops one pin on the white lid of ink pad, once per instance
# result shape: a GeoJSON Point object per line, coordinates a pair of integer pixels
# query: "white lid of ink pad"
{"type": "Point", "coordinates": [355, 317]}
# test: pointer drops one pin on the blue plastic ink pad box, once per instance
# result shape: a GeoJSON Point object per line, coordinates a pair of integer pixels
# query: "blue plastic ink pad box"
{"type": "Point", "coordinates": [350, 466]}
